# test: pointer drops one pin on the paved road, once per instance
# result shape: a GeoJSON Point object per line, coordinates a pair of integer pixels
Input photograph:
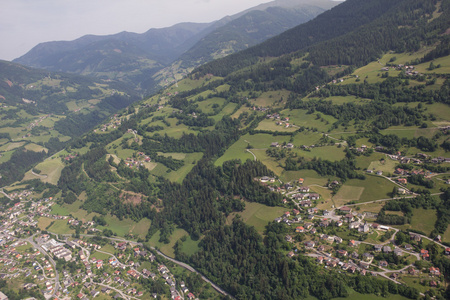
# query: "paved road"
{"type": "Point", "coordinates": [387, 199]}
{"type": "Point", "coordinates": [430, 239]}
{"type": "Point", "coordinates": [35, 245]}
{"type": "Point", "coordinates": [117, 290]}
{"type": "Point", "coordinates": [6, 195]}
{"type": "Point", "coordinates": [188, 267]}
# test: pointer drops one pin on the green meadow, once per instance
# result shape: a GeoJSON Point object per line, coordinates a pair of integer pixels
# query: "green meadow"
{"type": "Point", "coordinates": [258, 215]}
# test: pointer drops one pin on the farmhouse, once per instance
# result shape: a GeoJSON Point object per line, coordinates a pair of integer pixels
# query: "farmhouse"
{"type": "Point", "coordinates": [402, 180]}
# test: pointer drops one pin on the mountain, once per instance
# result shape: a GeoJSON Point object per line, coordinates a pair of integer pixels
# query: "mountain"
{"type": "Point", "coordinates": [244, 30]}
{"type": "Point", "coordinates": [270, 170]}
{"type": "Point", "coordinates": [134, 58]}
{"type": "Point", "coordinates": [124, 56]}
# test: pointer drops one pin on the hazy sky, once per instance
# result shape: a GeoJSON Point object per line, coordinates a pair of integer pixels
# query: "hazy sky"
{"type": "Point", "coordinates": [25, 23]}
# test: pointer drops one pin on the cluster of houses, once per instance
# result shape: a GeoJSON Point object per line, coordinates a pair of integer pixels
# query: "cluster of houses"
{"type": "Point", "coordinates": [114, 123]}
{"type": "Point", "coordinates": [281, 121]}
{"type": "Point", "coordinates": [260, 108]}
{"type": "Point", "coordinates": [36, 122]}
{"type": "Point", "coordinates": [277, 145]}
{"type": "Point", "coordinates": [419, 158]}
{"type": "Point", "coordinates": [30, 262]}
{"type": "Point", "coordinates": [321, 245]}
{"type": "Point", "coordinates": [70, 157]}
{"type": "Point", "coordinates": [361, 149]}
{"type": "Point", "coordinates": [275, 116]}
{"type": "Point", "coordinates": [139, 162]}
{"type": "Point", "coordinates": [409, 70]}
{"type": "Point", "coordinates": [21, 195]}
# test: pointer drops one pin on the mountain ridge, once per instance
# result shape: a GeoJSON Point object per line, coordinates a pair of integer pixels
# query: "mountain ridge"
{"type": "Point", "coordinates": [147, 53]}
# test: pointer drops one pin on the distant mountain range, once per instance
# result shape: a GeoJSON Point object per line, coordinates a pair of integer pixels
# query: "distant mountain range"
{"type": "Point", "coordinates": [152, 59]}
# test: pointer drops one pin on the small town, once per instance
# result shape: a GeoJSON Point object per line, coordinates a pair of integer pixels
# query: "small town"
{"type": "Point", "coordinates": [67, 267]}
{"type": "Point", "coordinates": [345, 240]}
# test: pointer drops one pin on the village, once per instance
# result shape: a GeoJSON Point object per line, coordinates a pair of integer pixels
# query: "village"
{"type": "Point", "coordinates": [344, 240]}
{"type": "Point", "coordinates": [66, 267]}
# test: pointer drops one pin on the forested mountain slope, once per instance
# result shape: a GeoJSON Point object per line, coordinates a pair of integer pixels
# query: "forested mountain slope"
{"type": "Point", "coordinates": [253, 27]}
{"type": "Point", "coordinates": [377, 26]}
{"type": "Point", "coordinates": [134, 58]}
{"type": "Point", "coordinates": [137, 56]}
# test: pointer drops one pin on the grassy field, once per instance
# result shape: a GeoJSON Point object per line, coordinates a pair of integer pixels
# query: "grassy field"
{"type": "Point", "coordinates": [207, 105]}
{"type": "Point", "coordinates": [120, 227]}
{"type": "Point", "coordinates": [6, 156]}
{"type": "Point", "coordinates": [343, 99]}
{"type": "Point", "coordinates": [306, 138]}
{"type": "Point", "coordinates": [332, 153]}
{"type": "Point", "coordinates": [179, 156]}
{"type": "Point", "coordinates": [190, 246]}
{"type": "Point", "coordinates": [51, 168]}
{"type": "Point", "coordinates": [422, 219]}
{"type": "Point", "coordinates": [410, 132]}
{"type": "Point", "coordinates": [270, 162]}
{"type": "Point", "coordinates": [443, 61]}
{"type": "Point", "coordinates": [357, 296]}
{"type": "Point", "coordinates": [59, 210]}
{"type": "Point", "coordinates": [270, 98]}
{"type": "Point", "coordinates": [310, 176]}
{"type": "Point", "coordinates": [35, 148]}
{"type": "Point", "coordinates": [11, 146]}
{"type": "Point", "coordinates": [167, 249]}
{"type": "Point", "coordinates": [61, 227]}
{"type": "Point", "coordinates": [326, 197]}
{"type": "Point", "coordinates": [371, 207]}
{"type": "Point", "coordinates": [188, 84]}
{"type": "Point", "coordinates": [189, 162]}
{"type": "Point", "coordinates": [446, 236]}
{"type": "Point", "coordinates": [227, 110]}
{"type": "Point", "coordinates": [364, 162]}
{"type": "Point", "coordinates": [272, 126]}
{"type": "Point", "coordinates": [348, 193]}
{"type": "Point", "coordinates": [258, 215]}
{"type": "Point", "coordinates": [440, 110]}
{"type": "Point", "coordinates": [257, 141]}
{"type": "Point", "coordinates": [370, 73]}
{"type": "Point", "coordinates": [141, 228]}
{"type": "Point", "coordinates": [301, 118]}
{"type": "Point", "coordinates": [44, 222]}
{"type": "Point", "coordinates": [176, 131]}
{"type": "Point", "coordinates": [373, 188]}
{"type": "Point", "coordinates": [387, 166]}
{"type": "Point", "coordinates": [99, 255]}
{"type": "Point", "coordinates": [242, 109]}
{"type": "Point", "coordinates": [14, 132]}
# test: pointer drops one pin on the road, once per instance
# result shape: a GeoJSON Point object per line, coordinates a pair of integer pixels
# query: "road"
{"type": "Point", "coordinates": [6, 195]}
{"type": "Point", "coordinates": [254, 156]}
{"type": "Point", "coordinates": [189, 268]}
{"type": "Point", "coordinates": [387, 199]}
{"type": "Point", "coordinates": [430, 239]}
{"type": "Point", "coordinates": [38, 175]}
{"type": "Point", "coordinates": [118, 291]}
{"type": "Point", "coordinates": [35, 245]}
